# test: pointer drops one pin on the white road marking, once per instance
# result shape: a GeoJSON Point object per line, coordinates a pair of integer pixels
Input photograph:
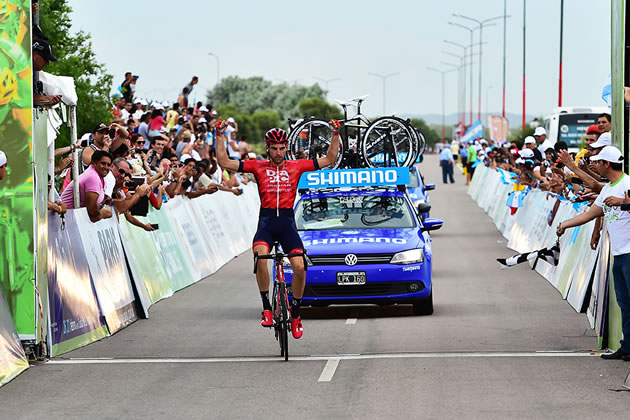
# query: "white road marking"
{"type": "Point", "coordinates": [351, 321]}
{"type": "Point", "coordinates": [329, 370]}
{"type": "Point", "coordinates": [312, 358]}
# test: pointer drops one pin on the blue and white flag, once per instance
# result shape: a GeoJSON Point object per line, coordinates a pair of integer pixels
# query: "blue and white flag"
{"type": "Point", "coordinates": [607, 93]}
{"type": "Point", "coordinates": [473, 133]}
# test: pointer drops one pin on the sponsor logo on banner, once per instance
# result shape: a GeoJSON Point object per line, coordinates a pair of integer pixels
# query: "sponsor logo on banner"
{"type": "Point", "coordinates": [366, 177]}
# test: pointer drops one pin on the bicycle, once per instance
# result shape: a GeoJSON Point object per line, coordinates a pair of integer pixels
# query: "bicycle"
{"type": "Point", "coordinates": [280, 297]}
{"type": "Point", "coordinates": [386, 141]}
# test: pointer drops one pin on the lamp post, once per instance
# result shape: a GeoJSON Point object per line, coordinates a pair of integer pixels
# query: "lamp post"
{"type": "Point", "coordinates": [326, 81]}
{"type": "Point", "coordinates": [384, 78]}
{"type": "Point", "coordinates": [217, 58]}
{"type": "Point", "coordinates": [470, 30]}
{"type": "Point", "coordinates": [443, 73]}
{"type": "Point", "coordinates": [465, 48]}
{"type": "Point", "coordinates": [481, 24]}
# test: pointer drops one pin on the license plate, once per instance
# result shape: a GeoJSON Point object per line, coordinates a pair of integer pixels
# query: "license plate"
{"type": "Point", "coordinates": [350, 278]}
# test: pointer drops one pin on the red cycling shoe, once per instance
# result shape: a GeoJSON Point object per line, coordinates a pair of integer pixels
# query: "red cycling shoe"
{"type": "Point", "coordinates": [296, 327]}
{"type": "Point", "coordinates": [267, 318]}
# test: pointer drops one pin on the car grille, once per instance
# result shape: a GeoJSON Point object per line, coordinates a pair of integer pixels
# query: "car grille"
{"type": "Point", "coordinates": [340, 259]}
{"type": "Point", "coordinates": [368, 289]}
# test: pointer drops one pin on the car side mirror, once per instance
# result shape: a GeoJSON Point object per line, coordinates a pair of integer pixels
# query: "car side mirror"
{"type": "Point", "coordinates": [430, 224]}
{"type": "Point", "coordinates": [424, 208]}
{"type": "Point", "coordinates": [429, 187]}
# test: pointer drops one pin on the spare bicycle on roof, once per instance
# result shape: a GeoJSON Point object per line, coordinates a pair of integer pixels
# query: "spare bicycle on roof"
{"type": "Point", "coordinates": [385, 142]}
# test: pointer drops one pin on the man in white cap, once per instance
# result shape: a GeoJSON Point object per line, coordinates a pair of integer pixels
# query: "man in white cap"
{"type": "Point", "coordinates": [3, 165]}
{"type": "Point", "coordinates": [530, 143]}
{"type": "Point", "coordinates": [541, 138]}
{"type": "Point", "coordinates": [617, 222]}
{"type": "Point", "coordinates": [603, 141]}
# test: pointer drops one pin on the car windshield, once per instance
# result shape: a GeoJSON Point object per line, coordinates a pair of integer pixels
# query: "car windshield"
{"type": "Point", "coordinates": [414, 180]}
{"type": "Point", "coordinates": [572, 127]}
{"type": "Point", "coordinates": [354, 212]}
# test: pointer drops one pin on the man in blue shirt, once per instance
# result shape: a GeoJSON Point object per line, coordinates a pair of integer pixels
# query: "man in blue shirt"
{"type": "Point", "coordinates": [446, 162]}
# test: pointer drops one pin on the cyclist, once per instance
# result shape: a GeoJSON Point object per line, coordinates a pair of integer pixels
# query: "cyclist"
{"type": "Point", "coordinates": [277, 181]}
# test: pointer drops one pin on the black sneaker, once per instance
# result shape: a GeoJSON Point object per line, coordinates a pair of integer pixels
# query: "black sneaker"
{"type": "Point", "coordinates": [618, 355]}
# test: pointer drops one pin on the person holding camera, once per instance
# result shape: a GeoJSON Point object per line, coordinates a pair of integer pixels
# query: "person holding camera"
{"type": "Point", "coordinates": [609, 163]}
{"type": "Point", "coordinates": [101, 139]}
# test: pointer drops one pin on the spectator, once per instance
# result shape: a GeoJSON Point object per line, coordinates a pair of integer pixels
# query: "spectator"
{"type": "Point", "coordinates": [91, 187]}
{"type": "Point", "coordinates": [156, 124]}
{"type": "Point", "coordinates": [182, 99]}
{"type": "Point", "coordinates": [100, 140]}
{"type": "Point", "coordinates": [42, 56]}
{"type": "Point", "coordinates": [530, 143]}
{"type": "Point", "coordinates": [603, 123]}
{"type": "Point", "coordinates": [446, 163]}
{"type": "Point", "coordinates": [128, 87]}
{"type": "Point", "coordinates": [3, 165]}
{"type": "Point", "coordinates": [191, 85]}
{"type": "Point", "coordinates": [141, 106]}
{"type": "Point", "coordinates": [143, 129]}
{"type": "Point", "coordinates": [540, 135]}
{"type": "Point", "coordinates": [125, 113]}
{"type": "Point", "coordinates": [171, 116]}
{"type": "Point", "coordinates": [617, 223]}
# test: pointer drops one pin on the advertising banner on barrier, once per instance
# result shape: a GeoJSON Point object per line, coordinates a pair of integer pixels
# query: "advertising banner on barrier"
{"type": "Point", "coordinates": [171, 254]}
{"type": "Point", "coordinates": [17, 198]}
{"type": "Point", "coordinates": [75, 320]}
{"type": "Point", "coordinates": [215, 229]}
{"type": "Point", "coordinates": [146, 266]}
{"type": "Point", "coordinates": [190, 237]}
{"type": "Point", "coordinates": [101, 242]}
{"type": "Point", "coordinates": [12, 358]}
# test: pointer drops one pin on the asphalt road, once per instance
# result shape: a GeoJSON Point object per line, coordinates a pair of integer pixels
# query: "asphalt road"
{"type": "Point", "coordinates": [501, 344]}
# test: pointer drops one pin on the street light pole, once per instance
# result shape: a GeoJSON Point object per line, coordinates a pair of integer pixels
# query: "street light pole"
{"type": "Point", "coordinates": [461, 86]}
{"type": "Point", "coordinates": [443, 73]}
{"type": "Point", "coordinates": [481, 24]}
{"type": "Point", "coordinates": [217, 58]}
{"type": "Point", "coordinates": [470, 30]}
{"type": "Point", "coordinates": [384, 78]}
{"type": "Point", "coordinates": [560, 70]}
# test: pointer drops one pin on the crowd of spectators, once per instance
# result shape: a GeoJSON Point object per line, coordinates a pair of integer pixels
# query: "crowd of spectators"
{"type": "Point", "coordinates": [150, 153]}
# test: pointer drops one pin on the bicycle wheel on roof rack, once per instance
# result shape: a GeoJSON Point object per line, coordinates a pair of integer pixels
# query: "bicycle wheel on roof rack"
{"type": "Point", "coordinates": [389, 141]}
{"type": "Point", "coordinates": [422, 143]}
{"type": "Point", "coordinates": [310, 139]}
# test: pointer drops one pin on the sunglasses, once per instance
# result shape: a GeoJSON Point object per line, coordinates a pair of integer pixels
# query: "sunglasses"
{"type": "Point", "coordinates": [122, 171]}
{"type": "Point", "coordinates": [140, 142]}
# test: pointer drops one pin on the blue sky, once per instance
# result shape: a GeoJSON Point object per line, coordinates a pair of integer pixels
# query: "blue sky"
{"type": "Point", "coordinates": [166, 42]}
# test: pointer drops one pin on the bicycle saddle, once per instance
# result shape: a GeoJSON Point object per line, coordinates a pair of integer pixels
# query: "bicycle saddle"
{"type": "Point", "coordinates": [344, 103]}
{"type": "Point", "coordinates": [360, 98]}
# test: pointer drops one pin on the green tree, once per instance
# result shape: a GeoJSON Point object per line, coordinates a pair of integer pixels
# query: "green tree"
{"type": "Point", "coordinates": [266, 120]}
{"type": "Point", "coordinates": [255, 94]}
{"type": "Point", "coordinates": [319, 108]}
{"type": "Point", "coordinates": [246, 124]}
{"type": "Point", "coordinates": [76, 58]}
{"type": "Point", "coordinates": [430, 135]}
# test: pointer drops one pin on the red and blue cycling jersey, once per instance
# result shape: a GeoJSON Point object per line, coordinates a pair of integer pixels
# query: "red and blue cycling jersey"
{"type": "Point", "coordinates": [277, 184]}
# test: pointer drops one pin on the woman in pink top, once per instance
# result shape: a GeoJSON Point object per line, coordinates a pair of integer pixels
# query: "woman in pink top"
{"type": "Point", "coordinates": [156, 124]}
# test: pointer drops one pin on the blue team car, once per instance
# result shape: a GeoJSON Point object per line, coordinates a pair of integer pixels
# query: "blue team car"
{"type": "Point", "coordinates": [365, 241]}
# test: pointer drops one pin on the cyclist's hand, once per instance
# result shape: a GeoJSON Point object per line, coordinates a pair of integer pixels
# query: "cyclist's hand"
{"type": "Point", "coordinates": [335, 126]}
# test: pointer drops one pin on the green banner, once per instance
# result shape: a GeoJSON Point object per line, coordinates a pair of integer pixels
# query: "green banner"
{"type": "Point", "coordinates": [166, 242]}
{"type": "Point", "coordinates": [17, 269]}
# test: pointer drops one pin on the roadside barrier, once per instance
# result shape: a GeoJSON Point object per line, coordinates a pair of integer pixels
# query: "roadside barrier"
{"type": "Point", "coordinates": [581, 272]}
{"type": "Point", "coordinates": [96, 271]}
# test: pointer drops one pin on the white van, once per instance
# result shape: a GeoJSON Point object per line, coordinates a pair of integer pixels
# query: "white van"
{"type": "Point", "coordinates": [569, 124]}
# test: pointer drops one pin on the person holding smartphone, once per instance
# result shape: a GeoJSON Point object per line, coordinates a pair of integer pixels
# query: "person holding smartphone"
{"type": "Point", "coordinates": [617, 222]}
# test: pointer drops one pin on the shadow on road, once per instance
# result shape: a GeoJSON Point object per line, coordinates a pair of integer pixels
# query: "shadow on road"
{"type": "Point", "coordinates": [357, 311]}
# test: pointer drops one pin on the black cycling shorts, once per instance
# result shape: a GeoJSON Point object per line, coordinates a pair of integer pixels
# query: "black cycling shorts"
{"type": "Point", "coordinates": [282, 228]}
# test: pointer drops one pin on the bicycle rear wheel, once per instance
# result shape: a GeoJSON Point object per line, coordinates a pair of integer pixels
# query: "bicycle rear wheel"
{"type": "Point", "coordinates": [310, 139]}
{"type": "Point", "coordinates": [284, 321]}
{"type": "Point", "coordinates": [389, 141]}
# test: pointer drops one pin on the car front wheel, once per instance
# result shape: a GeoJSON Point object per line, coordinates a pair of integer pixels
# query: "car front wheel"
{"type": "Point", "coordinates": [424, 306]}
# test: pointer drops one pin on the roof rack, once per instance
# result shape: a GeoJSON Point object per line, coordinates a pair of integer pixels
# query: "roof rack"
{"type": "Point", "coordinates": [401, 188]}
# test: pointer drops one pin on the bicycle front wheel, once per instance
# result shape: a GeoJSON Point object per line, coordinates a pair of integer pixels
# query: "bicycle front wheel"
{"type": "Point", "coordinates": [311, 139]}
{"type": "Point", "coordinates": [389, 141]}
{"type": "Point", "coordinates": [284, 321]}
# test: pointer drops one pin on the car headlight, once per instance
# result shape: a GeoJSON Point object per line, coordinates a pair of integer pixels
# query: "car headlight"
{"type": "Point", "coordinates": [408, 257]}
{"type": "Point", "coordinates": [420, 201]}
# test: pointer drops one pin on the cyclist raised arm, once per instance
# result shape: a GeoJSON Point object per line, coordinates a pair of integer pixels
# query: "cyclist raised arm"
{"type": "Point", "coordinates": [222, 157]}
{"type": "Point", "coordinates": [277, 181]}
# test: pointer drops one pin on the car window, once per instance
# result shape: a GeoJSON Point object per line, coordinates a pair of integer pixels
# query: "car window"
{"type": "Point", "coordinates": [354, 212]}
{"type": "Point", "coordinates": [414, 180]}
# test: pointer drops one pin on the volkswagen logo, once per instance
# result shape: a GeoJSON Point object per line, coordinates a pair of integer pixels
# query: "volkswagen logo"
{"type": "Point", "coordinates": [351, 259]}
